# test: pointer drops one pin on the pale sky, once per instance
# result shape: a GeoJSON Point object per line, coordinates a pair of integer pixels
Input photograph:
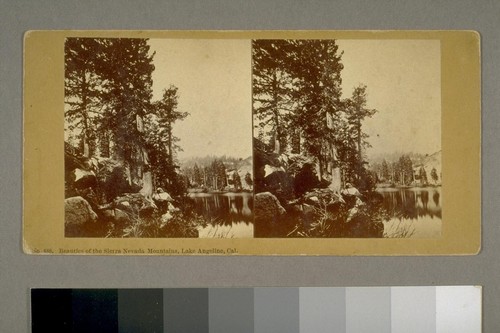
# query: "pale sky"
{"type": "Point", "coordinates": [214, 81]}
{"type": "Point", "coordinates": [403, 79]}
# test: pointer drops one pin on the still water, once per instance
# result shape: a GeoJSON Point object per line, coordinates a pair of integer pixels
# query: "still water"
{"type": "Point", "coordinates": [412, 212]}
{"type": "Point", "coordinates": [229, 215]}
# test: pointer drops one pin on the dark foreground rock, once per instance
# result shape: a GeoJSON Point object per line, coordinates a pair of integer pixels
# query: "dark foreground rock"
{"type": "Point", "coordinates": [116, 216]}
{"type": "Point", "coordinates": [80, 219]}
{"type": "Point", "coordinates": [112, 179]}
{"type": "Point", "coordinates": [362, 226]}
{"type": "Point", "coordinates": [267, 208]}
{"type": "Point", "coordinates": [323, 213]}
{"type": "Point", "coordinates": [280, 184]}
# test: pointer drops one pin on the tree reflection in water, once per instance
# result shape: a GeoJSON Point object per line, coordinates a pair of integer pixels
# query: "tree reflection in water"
{"type": "Point", "coordinates": [413, 208]}
{"type": "Point", "coordinates": [229, 215]}
{"type": "Point", "coordinates": [413, 212]}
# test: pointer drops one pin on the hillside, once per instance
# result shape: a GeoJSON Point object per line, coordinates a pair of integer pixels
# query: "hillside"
{"type": "Point", "coordinates": [394, 160]}
{"type": "Point", "coordinates": [431, 162]}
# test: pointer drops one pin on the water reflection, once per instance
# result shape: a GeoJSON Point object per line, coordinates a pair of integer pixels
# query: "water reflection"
{"type": "Point", "coordinates": [415, 210]}
{"type": "Point", "coordinates": [227, 214]}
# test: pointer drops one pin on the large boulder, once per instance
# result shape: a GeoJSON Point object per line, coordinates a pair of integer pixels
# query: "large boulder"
{"type": "Point", "coordinates": [79, 217]}
{"type": "Point", "coordinates": [305, 179]}
{"type": "Point", "coordinates": [262, 156]}
{"type": "Point", "coordinates": [78, 174]}
{"type": "Point", "coordinates": [267, 208]}
{"type": "Point", "coordinates": [112, 177]}
{"type": "Point", "coordinates": [116, 216]}
{"type": "Point", "coordinates": [279, 183]}
{"type": "Point", "coordinates": [83, 179]}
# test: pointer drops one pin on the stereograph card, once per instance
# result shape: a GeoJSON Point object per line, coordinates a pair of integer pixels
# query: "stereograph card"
{"type": "Point", "coordinates": [252, 142]}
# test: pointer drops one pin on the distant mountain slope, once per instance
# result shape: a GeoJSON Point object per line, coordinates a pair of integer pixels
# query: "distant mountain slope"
{"type": "Point", "coordinates": [228, 161]}
{"type": "Point", "coordinates": [429, 162]}
{"type": "Point", "coordinates": [245, 166]}
{"type": "Point", "coordinates": [432, 162]}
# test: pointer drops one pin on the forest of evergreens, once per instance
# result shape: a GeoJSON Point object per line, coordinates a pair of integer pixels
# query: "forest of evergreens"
{"type": "Point", "coordinates": [310, 139]}
{"type": "Point", "coordinates": [299, 108]}
{"type": "Point", "coordinates": [110, 112]}
{"type": "Point", "coordinates": [121, 153]}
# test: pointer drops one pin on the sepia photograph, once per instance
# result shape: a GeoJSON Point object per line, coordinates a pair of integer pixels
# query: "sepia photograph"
{"type": "Point", "coordinates": [347, 138]}
{"type": "Point", "coordinates": [158, 139]}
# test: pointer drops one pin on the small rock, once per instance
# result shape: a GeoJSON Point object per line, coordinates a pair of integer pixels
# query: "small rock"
{"type": "Point", "coordinates": [125, 205]}
{"type": "Point", "coordinates": [172, 208]}
{"type": "Point", "coordinates": [166, 217]}
{"type": "Point", "coordinates": [162, 196]}
{"type": "Point", "coordinates": [350, 190]}
{"type": "Point", "coordinates": [122, 217]}
{"type": "Point", "coordinates": [314, 199]}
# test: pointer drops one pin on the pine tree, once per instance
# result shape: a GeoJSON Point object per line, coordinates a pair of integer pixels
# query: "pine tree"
{"type": "Point", "coordinates": [126, 67]}
{"type": "Point", "coordinates": [434, 175]}
{"type": "Point", "coordinates": [161, 142]}
{"type": "Point", "coordinates": [236, 180]}
{"type": "Point", "coordinates": [356, 113]}
{"type": "Point", "coordinates": [315, 66]}
{"type": "Point", "coordinates": [271, 89]}
{"type": "Point", "coordinates": [405, 170]}
{"type": "Point", "coordinates": [385, 170]}
{"type": "Point", "coordinates": [423, 176]}
{"type": "Point", "coordinates": [248, 179]}
{"type": "Point", "coordinates": [220, 174]}
{"type": "Point", "coordinates": [197, 176]}
{"type": "Point", "coordinates": [168, 114]}
{"type": "Point", "coordinates": [82, 92]}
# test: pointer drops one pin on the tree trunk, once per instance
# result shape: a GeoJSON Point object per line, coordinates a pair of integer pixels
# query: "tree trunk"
{"type": "Point", "coordinates": [86, 148]}
{"type": "Point", "coordinates": [170, 153]}
{"type": "Point", "coordinates": [277, 134]}
{"type": "Point", "coordinates": [335, 184]}
{"type": "Point", "coordinates": [332, 158]}
{"type": "Point", "coordinates": [147, 185]}
{"type": "Point", "coordinates": [359, 140]}
{"type": "Point", "coordinates": [320, 168]}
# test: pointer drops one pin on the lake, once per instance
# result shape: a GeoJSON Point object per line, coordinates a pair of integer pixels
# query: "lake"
{"type": "Point", "coordinates": [412, 212]}
{"type": "Point", "coordinates": [229, 215]}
